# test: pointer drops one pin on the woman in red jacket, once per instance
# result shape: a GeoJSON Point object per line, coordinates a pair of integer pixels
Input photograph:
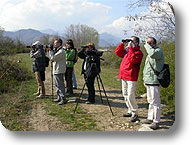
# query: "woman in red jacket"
{"type": "Point", "coordinates": [129, 71]}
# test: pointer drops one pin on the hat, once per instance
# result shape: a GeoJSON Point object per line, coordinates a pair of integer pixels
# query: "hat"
{"type": "Point", "coordinates": [36, 43]}
{"type": "Point", "coordinates": [91, 45]}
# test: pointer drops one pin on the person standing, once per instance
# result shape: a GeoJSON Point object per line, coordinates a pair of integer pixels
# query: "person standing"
{"type": "Point", "coordinates": [58, 58]}
{"type": "Point", "coordinates": [70, 55]}
{"type": "Point", "coordinates": [155, 58]}
{"type": "Point", "coordinates": [39, 64]}
{"type": "Point", "coordinates": [128, 73]}
{"type": "Point", "coordinates": [90, 69]}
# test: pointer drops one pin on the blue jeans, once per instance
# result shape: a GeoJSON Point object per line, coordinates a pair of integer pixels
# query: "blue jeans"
{"type": "Point", "coordinates": [74, 83]}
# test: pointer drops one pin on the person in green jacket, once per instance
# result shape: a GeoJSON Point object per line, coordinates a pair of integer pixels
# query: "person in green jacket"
{"type": "Point", "coordinates": [70, 55]}
{"type": "Point", "coordinates": [155, 58]}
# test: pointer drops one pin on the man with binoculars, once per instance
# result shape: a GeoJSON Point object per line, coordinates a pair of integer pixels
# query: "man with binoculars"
{"type": "Point", "coordinates": [39, 64]}
{"type": "Point", "coordinates": [129, 51]}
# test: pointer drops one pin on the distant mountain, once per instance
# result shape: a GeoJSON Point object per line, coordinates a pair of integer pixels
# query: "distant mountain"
{"type": "Point", "coordinates": [27, 36]}
{"type": "Point", "coordinates": [49, 31]}
{"type": "Point", "coordinates": [106, 39]}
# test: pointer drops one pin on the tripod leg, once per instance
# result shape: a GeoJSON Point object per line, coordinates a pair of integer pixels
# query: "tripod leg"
{"type": "Point", "coordinates": [99, 89]}
{"type": "Point", "coordinates": [105, 94]}
{"type": "Point", "coordinates": [52, 80]}
{"type": "Point", "coordinates": [79, 97]}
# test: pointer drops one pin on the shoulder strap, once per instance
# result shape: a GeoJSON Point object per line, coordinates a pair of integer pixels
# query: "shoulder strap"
{"type": "Point", "coordinates": [57, 50]}
{"type": "Point", "coordinates": [155, 71]}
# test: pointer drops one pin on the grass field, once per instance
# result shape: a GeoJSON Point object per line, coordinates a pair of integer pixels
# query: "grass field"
{"type": "Point", "coordinates": [16, 104]}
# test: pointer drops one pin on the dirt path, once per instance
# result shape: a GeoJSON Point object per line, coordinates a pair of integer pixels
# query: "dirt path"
{"type": "Point", "coordinates": [107, 122]}
{"type": "Point", "coordinates": [40, 120]}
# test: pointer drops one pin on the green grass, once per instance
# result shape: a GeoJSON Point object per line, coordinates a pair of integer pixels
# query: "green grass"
{"type": "Point", "coordinates": [16, 106]}
{"type": "Point", "coordinates": [80, 121]}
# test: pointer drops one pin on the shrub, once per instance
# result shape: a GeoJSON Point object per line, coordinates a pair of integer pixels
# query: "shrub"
{"type": "Point", "coordinates": [11, 74]}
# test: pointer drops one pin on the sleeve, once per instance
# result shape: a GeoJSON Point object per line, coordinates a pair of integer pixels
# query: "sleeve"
{"type": "Point", "coordinates": [81, 54]}
{"type": "Point", "coordinates": [137, 58]}
{"type": "Point", "coordinates": [152, 52]}
{"type": "Point", "coordinates": [35, 54]}
{"type": "Point", "coordinates": [70, 56]}
{"type": "Point", "coordinates": [58, 56]}
{"type": "Point", "coordinates": [120, 51]}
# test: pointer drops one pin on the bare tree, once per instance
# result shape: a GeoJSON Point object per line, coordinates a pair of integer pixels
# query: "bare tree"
{"type": "Point", "coordinates": [82, 34]}
{"type": "Point", "coordinates": [158, 19]}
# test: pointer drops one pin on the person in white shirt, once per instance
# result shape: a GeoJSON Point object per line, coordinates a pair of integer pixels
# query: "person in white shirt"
{"type": "Point", "coordinates": [58, 58]}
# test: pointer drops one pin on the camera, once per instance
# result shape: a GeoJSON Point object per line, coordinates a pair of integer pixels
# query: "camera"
{"type": "Point", "coordinates": [93, 53]}
{"type": "Point", "coordinates": [126, 40]}
{"type": "Point", "coordinates": [31, 47]}
{"type": "Point", "coordinates": [84, 46]}
{"type": "Point", "coordinates": [50, 46]}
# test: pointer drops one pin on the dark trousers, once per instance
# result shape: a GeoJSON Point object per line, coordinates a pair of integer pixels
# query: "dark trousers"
{"type": "Point", "coordinates": [68, 78]}
{"type": "Point", "coordinates": [91, 89]}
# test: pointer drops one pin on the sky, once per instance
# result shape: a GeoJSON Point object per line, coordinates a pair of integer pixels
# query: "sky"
{"type": "Point", "coordinates": [104, 15]}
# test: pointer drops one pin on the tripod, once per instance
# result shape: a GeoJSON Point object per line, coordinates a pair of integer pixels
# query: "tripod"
{"type": "Point", "coordinates": [99, 80]}
{"type": "Point", "coordinates": [52, 80]}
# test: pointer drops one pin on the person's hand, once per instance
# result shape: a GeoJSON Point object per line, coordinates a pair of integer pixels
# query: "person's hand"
{"type": "Point", "coordinates": [145, 85]}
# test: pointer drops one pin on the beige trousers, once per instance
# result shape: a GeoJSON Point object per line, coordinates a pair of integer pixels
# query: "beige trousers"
{"type": "Point", "coordinates": [128, 90]}
{"type": "Point", "coordinates": [40, 83]}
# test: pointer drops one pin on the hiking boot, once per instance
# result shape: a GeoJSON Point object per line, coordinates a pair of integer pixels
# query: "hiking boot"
{"type": "Point", "coordinates": [57, 100]}
{"type": "Point", "coordinates": [40, 96]}
{"type": "Point", "coordinates": [36, 94]}
{"type": "Point", "coordinates": [134, 118]}
{"type": "Point", "coordinates": [147, 121]}
{"type": "Point", "coordinates": [63, 101]}
{"type": "Point", "coordinates": [154, 126]}
{"type": "Point", "coordinates": [127, 115]}
{"type": "Point", "coordinates": [88, 102]}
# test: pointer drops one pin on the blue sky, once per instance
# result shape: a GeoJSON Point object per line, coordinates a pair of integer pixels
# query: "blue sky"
{"type": "Point", "coordinates": [103, 15]}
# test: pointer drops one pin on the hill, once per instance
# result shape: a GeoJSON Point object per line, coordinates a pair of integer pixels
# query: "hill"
{"type": "Point", "coordinates": [28, 36]}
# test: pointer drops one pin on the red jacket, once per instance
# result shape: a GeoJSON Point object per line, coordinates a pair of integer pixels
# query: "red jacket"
{"type": "Point", "coordinates": [130, 65]}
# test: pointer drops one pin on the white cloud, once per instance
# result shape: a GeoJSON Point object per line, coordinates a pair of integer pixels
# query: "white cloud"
{"type": "Point", "coordinates": [119, 27]}
{"type": "Point", "coordinates": [54, 14]}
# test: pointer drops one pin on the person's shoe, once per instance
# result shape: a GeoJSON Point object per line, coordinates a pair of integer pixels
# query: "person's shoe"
{"type": "Point", "coordinates": [40, 96]}
{"type": "Point", "coordinates": [154, 126]}
{"type": "Point", "coordinates": [88, 102]}
{"type": "Point", "coordinates": [127, 115]}
{"type": "Point", "coordinates": [36, 94]}
{"type": "Point", "coordinates": [63, 101]}
{"type": "Point", "coordinates": [147, 121]}
{"type": "Point", "coordinates": [57, 100]}
{"type": "Point", "coordinates": [134, 118]}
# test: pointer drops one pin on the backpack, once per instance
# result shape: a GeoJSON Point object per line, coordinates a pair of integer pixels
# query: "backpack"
{"type": "Point", "coordinates": [163, 76]}
{"type": "Point", "coordinates": [47, 61]}
{"type": "Point", "coordinates": [76, 56]}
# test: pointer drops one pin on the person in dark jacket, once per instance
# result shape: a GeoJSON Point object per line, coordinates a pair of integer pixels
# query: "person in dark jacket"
{"type": "Point", "coordinates": [39, 64]}
{"type": "Point", "coordinates": [129, 72]}
{"type": "Point", "coordinates": [90, 69]}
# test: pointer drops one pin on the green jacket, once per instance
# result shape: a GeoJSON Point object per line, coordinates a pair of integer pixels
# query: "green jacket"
{"type": "Point", "coordinates": [156, 58]}
{"type": "Point", "coordinates": [70, 54]}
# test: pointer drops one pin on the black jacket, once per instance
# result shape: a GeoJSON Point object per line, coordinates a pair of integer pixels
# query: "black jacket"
{"type": "Point", "coordinates": [91, 63]}
{"type": "Point", "coordinates": [39, 62]}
